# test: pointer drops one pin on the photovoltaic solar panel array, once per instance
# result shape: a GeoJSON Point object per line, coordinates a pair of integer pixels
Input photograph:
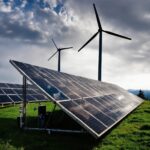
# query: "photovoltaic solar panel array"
{"type": "Point", "coordinates": [96, 106]}
{"type": "Point", "coordinates": [12, 93]}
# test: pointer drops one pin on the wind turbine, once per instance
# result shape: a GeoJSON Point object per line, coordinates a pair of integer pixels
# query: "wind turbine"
{"type": "Point", "coordinates": [59, 53]}
{"type": "Point", "coordinates": [100, 30]}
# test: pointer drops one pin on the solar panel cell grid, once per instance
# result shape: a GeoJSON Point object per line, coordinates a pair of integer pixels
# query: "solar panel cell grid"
{"type": "Point", "coordinates": [13, 93]}
{"type": "Point", "coordinates": [30, 98]}
{"type": "Point", "coordinates": [107, 110]}
{"type": "Point", "coordinates": [18, 91]}
{"type": "Point", "coordinates": [5, 99]}
{"type": "Point", "coordinates": [51, 90]}
{"type": "Point", "coordinates": [1, 92]}
{"type": "Point", "coordinates": [97, 106]}
{"type": "Point", "coordinates": [83, 115]}
{"type": "Point", "coordinates": [12, 85]}
{"type": "Point", "coordinates": [18, 86]}
{"type": "Point", "coordinates": [8, 91]}
{"type": "Point", "coordinates": [15, 98]}
{"type": "Point", "coordinates": [95, 111]}
{"type": "Point", "coordinates": [3, 85]}
{"type": "Point", "coordinates": [39, 97]}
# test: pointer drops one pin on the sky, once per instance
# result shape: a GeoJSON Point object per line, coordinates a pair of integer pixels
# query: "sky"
{"type": "Point", "coordinates": [27, 27]}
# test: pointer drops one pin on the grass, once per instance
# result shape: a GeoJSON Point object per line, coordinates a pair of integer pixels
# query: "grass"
{"type": "Point", "coordinates": [132, 133]}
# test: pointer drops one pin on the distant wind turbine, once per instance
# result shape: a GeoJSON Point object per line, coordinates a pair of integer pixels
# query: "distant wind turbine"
{"type": "Point", "coordinates": [100, 30]}
{"type": "Point", "coordinates": [59, 53]}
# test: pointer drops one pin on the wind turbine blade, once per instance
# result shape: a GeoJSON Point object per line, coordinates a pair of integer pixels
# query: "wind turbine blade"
{"type": "Point", "coordinates": [66, 48]}
{"type": "Point", "coordinates": [53, 55]}
{"type": "Point", "coordinates": [97, 17]}
{"type": "Point", "coordinates": [121, 36]}
{"type": "Point", "coordinates": [54, 44]}
{"type": "Point", "coordinates": [89, 40]}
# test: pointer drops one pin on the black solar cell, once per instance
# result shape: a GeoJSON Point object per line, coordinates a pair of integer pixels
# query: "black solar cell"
{"type": "Point", "coordinates": [18, 91]}
{"type": "Point", "coordinates": [1, 92]}
{"type": "Point", "coordinates": [13, 85]}
{"type": "Point", "coordinates": [14, 92]}
{"type": "Point", "coordinates": [4, 99]}
{"type": "Point", "coordinates": [95, 111]}
{"type": "Point", "coordinates": [30, 98]}
{"type": "Point", "coordinates": [39, 97]}
{"type": "Point", "coordinates": [3, 85]}
{"type": "Point", "coordinates": [8, 91]}
{"type": "Point", "coordinates": [84, 116]}
{"type": "Point", "coordinates": [18, 86]}
{"type": "Point", "coordinates": [15, 98]}
{"type": "Point", "coordinates": [103, 107]}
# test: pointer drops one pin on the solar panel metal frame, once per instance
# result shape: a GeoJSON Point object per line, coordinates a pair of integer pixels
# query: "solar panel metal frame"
{"type": "Point", "coordinates": [69, 112]}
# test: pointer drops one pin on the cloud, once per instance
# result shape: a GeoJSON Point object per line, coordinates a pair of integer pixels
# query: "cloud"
{"type": "Point", "coordinates": [17, 31]}
{"type": "Point", "coordinates": [7, 8]}
{"type": "Point", "coordinates": [26, 29]}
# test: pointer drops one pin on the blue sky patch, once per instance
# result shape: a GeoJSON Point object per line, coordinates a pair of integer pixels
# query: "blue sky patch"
{"type": "Point", "coordinates": [58, 8]}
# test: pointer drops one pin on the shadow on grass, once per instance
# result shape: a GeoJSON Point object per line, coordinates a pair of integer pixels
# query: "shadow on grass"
{"type": "Point", "coordinates": [145, 127]}
{"type": "Point", "coordinates": [57, 119]}
{"type": "Point", "coordinates": [10, 134]}
{"type": "Point", "coordinates": [40, 140]}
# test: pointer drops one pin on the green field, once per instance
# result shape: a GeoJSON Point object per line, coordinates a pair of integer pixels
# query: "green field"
{"type": "Point", "coordinates": [133, 133]}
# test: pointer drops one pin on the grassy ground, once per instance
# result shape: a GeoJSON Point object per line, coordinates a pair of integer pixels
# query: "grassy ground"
{"type": "Point", "coordinates": [132, 133]}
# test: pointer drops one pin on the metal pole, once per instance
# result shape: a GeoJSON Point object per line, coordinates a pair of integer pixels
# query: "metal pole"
{"type": "Point", "coordinates": [59, 60]}
{"type": "Point", "coordinates": [100, 57]}
{"type": "Point", "coordinates": [24, 101]}
{"type": "Point", "coordinates": [56, 130]}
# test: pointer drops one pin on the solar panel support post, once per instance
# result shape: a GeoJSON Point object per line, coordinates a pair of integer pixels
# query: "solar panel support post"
{"type": "Point", "coordinates": [24, 101]}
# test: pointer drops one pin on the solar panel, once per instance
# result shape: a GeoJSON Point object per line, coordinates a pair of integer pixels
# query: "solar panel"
{"type": "Point", "coordinates": [30, 98]}
{"type": "Point", "coordinates": [18, 91]}
{"type": "Point", "coordinates": [1, 92]}
{"type": "Point", "coordinates": [12, 93]}
{"type": "Point", "coordinates": [5, 99]}
{"type": "Point", "coordinates": [96, 106]}
{"type": "Point", "coordinates": [8, 91]}
{"type": "Point", "coordinates": [15, 98]}
{"type": "Point", "coordinates": [3, 85]}
{"type": "Point", "coordinates": [39, 97]}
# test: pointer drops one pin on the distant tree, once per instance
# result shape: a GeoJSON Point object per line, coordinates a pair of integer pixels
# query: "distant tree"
{"type": "Point", "coordinates": [141, 94]}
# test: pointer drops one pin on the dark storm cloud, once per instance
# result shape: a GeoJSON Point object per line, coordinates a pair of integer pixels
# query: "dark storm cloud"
{"type": "Point", "coordinates": [130, 18]}
{"type": "Point", "coordinates": [14, 30]}
{"type": "Point", "coordinates": [127, 14]}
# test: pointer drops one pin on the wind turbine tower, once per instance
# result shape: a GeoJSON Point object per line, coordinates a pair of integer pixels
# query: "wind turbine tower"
{"type": "Point", "coordinates": [59, 54]}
